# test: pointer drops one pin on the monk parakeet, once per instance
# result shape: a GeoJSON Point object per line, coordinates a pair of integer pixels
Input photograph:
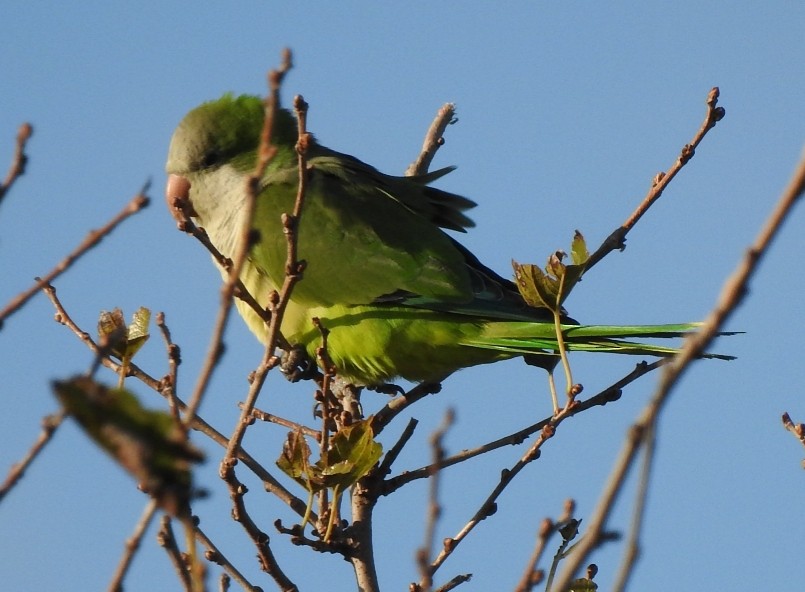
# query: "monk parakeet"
{"type": "Point", "coordinates": [399, 296]}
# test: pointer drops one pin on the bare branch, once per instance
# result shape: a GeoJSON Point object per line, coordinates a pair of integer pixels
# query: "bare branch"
{"type": "Point", "coordinates": [17, 168]}
{"type": "Point", "coordinates": [434, 138]}
{"type": "Point", "coordinates": [632, 550]}
{"type": "Point", "coordinates": [50, 424]}
{"type": "Point", "coordinates": [533, 576]}
{"type": "Point", "coordinates": [268, 562]}
{"type": "Point", "coordinates": [132, 545]}
{"type": "Point", "coordinates": [92, 239]}
{"type": "Point", "coordinates": [735, 288]}
{"type": "Point", "coordinates": [454, 583]}
{"type": "Point", "coordinates": [244, 243]}
{"type": "Point", "coordinates": [169, 383]}
{"type": "Point", "coordinates": [424, 553]}
{"type": "Point", "coordinates": [286, 423]}
{"type": "Point", "coordinates": [214, 554]}
{"type": "Point", "coordinates": [270, 484]}
{"type": "Point", "coordinates": [394, 407]}
{"type": "Point", "coordinates": [608, 395]}
{"type": "Point", "coordinates": [167, 540]}
{"type": "Point", "coordinates": [385, 466]}
{"type": "Point", "coordinates": [617, 240]}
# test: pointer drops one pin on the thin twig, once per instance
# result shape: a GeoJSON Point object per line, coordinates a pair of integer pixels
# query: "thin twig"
{"type": "Point", "coordinates": [286, 423]}
{"type": "Point", "coordinates": [270, 484]}
{"type": "Point", "coordinates": [214, 554]}
{"type": "Point", "coordinates": [733, 292]}
{"type": "Point", "coordinates": [49, 425]}
{"type": "Point", "coordinates": [532, 576]}
{"type": "Point", "coordinates": [132, 545]}
{"type": "Point", "coordinates": [92, 239]}
{"type": "Point", "coordinates": [424, 553]}
{"type": "Point", "coordinates": [617, 240]}
{"type": "Point", "coordinates": [292, 269]}
{"type": "Point", "coordinates": [454, 583]}
{"type": "Point", "coordinates": [385, 466]}
{"type": "Point", "coordinates": [17, 168]}
{"type": "Point", "coordinates": [181, 209]}
{"type": "Point", "coordinates": [243, 243]}
{"type": "Point", "coordinates": [609, 394]}
{"type": "Point", "coordinates": [489, 506]}
{"type": "Point", "coordinates": [169, 383]}
{"type": "Point", "coordinates": [632, 549]}
{"type": "Point", "coordinates": [434, 138]}
{"type": "Point", "coordinates": [396, 406]}
{"type": "Point", "coordinates": [268, 562]}
{"type": "Point", "coordinates": [167, 540]}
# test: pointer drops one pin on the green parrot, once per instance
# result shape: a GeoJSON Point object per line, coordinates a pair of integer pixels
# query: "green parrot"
{"type": "Point", "coordinates": [400, 297]}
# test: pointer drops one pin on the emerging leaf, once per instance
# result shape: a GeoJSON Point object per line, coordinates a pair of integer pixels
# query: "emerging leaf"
{"type": "Point", "coordinates": [549, 288]}
{"type": "Point", "coordinates": [124, 342]}
{"type": "Point", "coordinates": [112, 331]}
{"type": "Point", "coordinates": [353, 452]}
{"type": "Point", "coordinates": [294, 461]}
{"type": "Point", "coordinates": [351, 455]}
{"type": "Point", "coordinates": [578, 250]}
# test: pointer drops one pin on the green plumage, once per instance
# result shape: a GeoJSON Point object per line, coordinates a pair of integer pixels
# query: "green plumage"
{"type": "Point", "coordinates": [400, 297]}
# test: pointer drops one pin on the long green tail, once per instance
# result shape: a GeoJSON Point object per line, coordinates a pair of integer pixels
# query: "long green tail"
{"type": "Point", "coordinates": [535, 338]}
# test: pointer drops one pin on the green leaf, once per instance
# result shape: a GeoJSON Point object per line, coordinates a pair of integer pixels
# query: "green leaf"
{"type": "Point", "coordinates": [578, 250]}
{"type": "Point", "coordinates": [124, 342]}
{"type": "Point", "coordinates": [147, 443]}
{"type": "Point", "coordinates": [549, 288]}
{"type": "Point", "coordinates": [294, 461]}
{"type": "Point", "coordinates": [352, 454]}
{"type": "Point", "coordinates": [138, 331]}
{"type": "Point", "coordinates": [112, 331]}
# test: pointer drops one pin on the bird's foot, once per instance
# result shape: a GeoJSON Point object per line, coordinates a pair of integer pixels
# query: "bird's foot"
{"type": "Point", "coordinates": [296, 365]}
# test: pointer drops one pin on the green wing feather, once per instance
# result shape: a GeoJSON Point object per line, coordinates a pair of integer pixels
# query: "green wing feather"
{"type": "Point", "coordinates": [399, 296]}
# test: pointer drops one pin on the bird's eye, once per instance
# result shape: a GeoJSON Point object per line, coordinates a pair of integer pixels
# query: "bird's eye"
{"type": "Point", "coordinates": [210, 159]}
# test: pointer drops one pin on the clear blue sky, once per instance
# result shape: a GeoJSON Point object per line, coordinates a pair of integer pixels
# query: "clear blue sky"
{"type": "Point", "coordinates": [566, 111]}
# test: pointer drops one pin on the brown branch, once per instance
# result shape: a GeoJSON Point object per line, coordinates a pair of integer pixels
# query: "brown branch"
{"type": "Point", "coordinates": [425, 553]}
{"type": "Point", "coordinates": [17, 168]}
{"type": "Point", "coordinates": [270, 484]}
{"type": "Point", "coordinates": [632, 549]}
{"type": "Point", "coordinates": [167, 540]}
{"type": "Point", "coordinates": [732, 294]}
{"type": "Point", "coordinates": [362, 556]}
{"type": "Point", "coordinates": [394, 407]}
{"type": "Point", "coordinates": [293, 268]}
{"type": "Point", "coordinates": [489, 505]}
{"type": "Point", "coordinates": [169, 383]}
{"type": "Point", "coordinates": [532, 576]}
{"type": "Point", "coordinates": [385, 466]}
{"type": "Point", "coordinates": [50, 424]}
{"type": "Point", "coordinates": [286, 423]}
{"type": "Point", "coordinates": [92, 239]}
{"type": "Point", "coordinates": [609, 394]}
{"type": "Point", "coordinates": [181, 210]}
{"type": "Point", "coordinates": [132, 545]}
{"type": "Point", "coordinates": [454, 583]}
{"type": "Point", "coordinates": [243, 244]}
{"type": "Point", "coordinates": [617, 240]}
{"type": "Point", "coordinates": [434, 138]}
{"type": "Point", "coordinates": [548, 430]}
{"type": "Point", "coordinates": [268, 562]}
{"type": "Point", "coordinates": [214, 554]}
